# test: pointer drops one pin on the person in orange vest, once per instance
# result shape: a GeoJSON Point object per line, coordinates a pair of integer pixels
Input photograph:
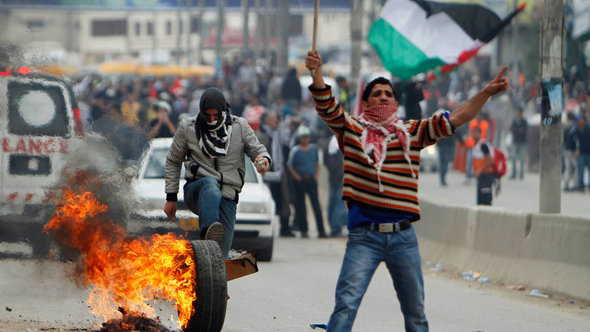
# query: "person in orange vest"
{"type": "Point", "coordinates": [483, 167]}
{"type": "Point", "coordinates": [480, 123]}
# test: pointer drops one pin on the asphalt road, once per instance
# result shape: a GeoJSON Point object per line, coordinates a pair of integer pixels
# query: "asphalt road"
{"type": "Point", "coordinates": [292, 291]}
{"type": "Point", "coordinates": [297, 287]}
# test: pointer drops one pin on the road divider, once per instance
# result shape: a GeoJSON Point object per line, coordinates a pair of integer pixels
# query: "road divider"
{"type": "Point", "coordinates": [546, 251]}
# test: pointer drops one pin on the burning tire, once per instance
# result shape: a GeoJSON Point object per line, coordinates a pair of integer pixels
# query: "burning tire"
{"type": "Point", "coordinates": [211, 299]}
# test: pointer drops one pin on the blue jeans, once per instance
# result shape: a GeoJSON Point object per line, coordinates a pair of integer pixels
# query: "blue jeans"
{"type": "Point", "coordinates": [337, 210]}
{"type": "Point", "coordinates": [469, 168]}
{"type": "Point", "coordinates": [583, 162]}
{"type": "Point", "coordinates": [365, 250]}
{"type": "Point", "coordinates": [445, 156]}
{"type": "Point", "coordinates": [518, 155]}
{"type": "Point", "coordinates": [203, 197]}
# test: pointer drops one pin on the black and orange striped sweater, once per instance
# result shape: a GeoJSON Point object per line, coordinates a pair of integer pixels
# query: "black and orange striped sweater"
{"type": "Point", "coordinates": [361, 185]}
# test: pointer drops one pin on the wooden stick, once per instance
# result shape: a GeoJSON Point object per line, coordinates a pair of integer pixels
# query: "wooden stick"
{"type": "Point", "coordinates": [315, 29]}
{"type": "Point", "coordinates": [315, 25]}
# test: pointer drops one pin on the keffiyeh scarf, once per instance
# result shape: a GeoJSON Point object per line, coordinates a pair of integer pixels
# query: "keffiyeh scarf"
{"type": "Point", "coordinates": [214, 136]}
{"type": "Point", "coordinates": [381, 125]}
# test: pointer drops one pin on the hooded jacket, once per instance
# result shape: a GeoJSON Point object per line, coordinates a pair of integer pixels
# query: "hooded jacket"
{"type": "Point", "coordinates": [228, 170]}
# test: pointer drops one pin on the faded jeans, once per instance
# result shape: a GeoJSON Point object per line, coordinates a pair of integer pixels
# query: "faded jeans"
{"type": "Point", "coordinates": [337, 210]}
{"type": "Point", "coordinates": [365, 250]}
{"type": "Point", "coordinates": [518, 156]}
{"type": "Point", "coordinates": [203, 197]}
{"type": "Point", "coordinates": [583, 163]}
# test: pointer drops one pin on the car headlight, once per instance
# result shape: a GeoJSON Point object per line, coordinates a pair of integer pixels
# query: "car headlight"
{"type": "Point", "coordinates": [250, 207]}
{"type": "Point", "coordinates": [431, 150]}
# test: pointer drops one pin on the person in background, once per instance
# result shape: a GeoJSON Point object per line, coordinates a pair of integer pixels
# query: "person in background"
{"type": "Point", "coordinates": [291, 89]}
{"type": "Point", "coordinates": [446, 145]}
{"type": "Point", "coordinates": [518, 128]}
{"type": "Point", "coordinates": [581, 136]}
{"type": "Point", "coordinates": [130, 109]}
{"type": "Point", "coordinates": [483, 167]}
{"type": "Point", "coordinates": [276, 177]}
{"type": "Point", "coordinates": [483, 125]}
{"type": "Point", "coordinates": [211, 146]}
{"type": "Point", "coordinates": [413, 95]}
{"type": "Point", "coordinates": [569, 154]}
{"type": "Point", "coordinates": [381, 165]}
{"type": "Point", "coordinates": [162, 126]}
{"type": "Point", "coordinates": [337, 209]}
{"type": "Point", "coordinates": [304, 166]}
{"type": "Point", "coordinates": [345, 97]}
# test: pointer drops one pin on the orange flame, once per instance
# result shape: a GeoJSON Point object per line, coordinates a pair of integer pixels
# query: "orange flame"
{"type": "Point", "coordinates": [126, 271]}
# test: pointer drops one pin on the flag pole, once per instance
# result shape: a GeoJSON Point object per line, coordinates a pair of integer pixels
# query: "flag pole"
{"type": "Point", "coordinates": [315, 29]}
{"type": "Point", "coordinates": [315, 25]}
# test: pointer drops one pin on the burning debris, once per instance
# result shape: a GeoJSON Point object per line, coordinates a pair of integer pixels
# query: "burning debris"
{"type": "Point", "coordinates": [125, 271]}
{"type": "Point", "coordinates": [133, 322]}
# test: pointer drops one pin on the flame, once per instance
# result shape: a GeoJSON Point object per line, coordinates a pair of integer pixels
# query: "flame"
{"type": "Point", "coordinates": [126, 271]}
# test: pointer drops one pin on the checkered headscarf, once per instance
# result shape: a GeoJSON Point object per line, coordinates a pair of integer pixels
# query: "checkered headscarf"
{"type": "Point", "coordinates": [382, 125]}
{"type": "Point", "coordinates": [214, 137]}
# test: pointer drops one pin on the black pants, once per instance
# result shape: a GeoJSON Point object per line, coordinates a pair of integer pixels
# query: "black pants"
{"type": "Point", "coordinates": [484, 188]}
{"type": "Point", "coordinates": [308, 185]}
{"type": "Point", "coordinates": [279, 194]}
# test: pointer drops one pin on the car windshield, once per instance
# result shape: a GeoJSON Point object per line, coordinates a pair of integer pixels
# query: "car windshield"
{"type": "Point", "coordinates": [156, 166]}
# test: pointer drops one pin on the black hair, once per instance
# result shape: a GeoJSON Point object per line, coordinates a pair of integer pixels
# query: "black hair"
{"type": "Point", "coordinates": [378, 80]}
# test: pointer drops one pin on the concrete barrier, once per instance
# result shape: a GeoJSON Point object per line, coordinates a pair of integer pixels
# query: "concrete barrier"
{"type": "Point", "coordinates": [545, 251]}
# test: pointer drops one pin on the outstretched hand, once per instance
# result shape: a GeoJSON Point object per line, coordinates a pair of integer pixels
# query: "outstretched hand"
{"type": "Point", "coordinates": [313, 61]}
{"type": "Point", "coordinates": [498, 84]}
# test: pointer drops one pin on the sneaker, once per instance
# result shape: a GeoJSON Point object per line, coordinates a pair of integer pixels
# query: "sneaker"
{"type": "Point", "coordinates": [214, 232]}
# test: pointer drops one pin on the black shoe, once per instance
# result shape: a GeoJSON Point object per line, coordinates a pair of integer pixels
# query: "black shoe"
{"type": "Point", "coordinates": [323, 236]}
{"type": "Point", "coordinates": [304, 235]}
{"type": "Point", "coordinates": [287, 234]}
{"type": "Point", "coordinates": [214, 232]}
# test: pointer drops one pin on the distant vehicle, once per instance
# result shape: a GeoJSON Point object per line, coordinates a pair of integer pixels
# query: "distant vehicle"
{"type": "Point", "coordinates": [429, 158]}
{"type": "Point", "coordinates": [256, 223]}
{"type": "Point", "coordinates": [39, 125]}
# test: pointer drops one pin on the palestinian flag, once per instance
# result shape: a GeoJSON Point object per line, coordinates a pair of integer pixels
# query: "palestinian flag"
{"type": "Point", "coordinates": [416, 36]}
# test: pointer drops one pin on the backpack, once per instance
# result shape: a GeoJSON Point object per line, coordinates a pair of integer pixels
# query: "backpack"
{"type": "Point", "coordinates": [499, 163]}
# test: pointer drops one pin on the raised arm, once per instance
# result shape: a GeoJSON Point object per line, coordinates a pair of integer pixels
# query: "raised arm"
{"type": "Point", "coordinates": [466, 112]}
{"type": "Point", "coordinates": [313, 62]}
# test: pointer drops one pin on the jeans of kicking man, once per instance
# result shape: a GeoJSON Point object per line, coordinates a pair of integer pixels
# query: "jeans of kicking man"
{"type": "Point", "coordinates": [203, 197]}
{"type": "Point", "coordinates": [365, 250]}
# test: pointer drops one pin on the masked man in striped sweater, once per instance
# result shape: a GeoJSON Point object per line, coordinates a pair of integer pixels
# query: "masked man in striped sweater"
{"type": "Point", "coordinates": [381, 165]}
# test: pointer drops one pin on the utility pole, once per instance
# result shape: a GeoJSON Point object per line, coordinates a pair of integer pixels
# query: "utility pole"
{"type": "Point", "coordinates": [267, 13]}
{"type": "Point", "coordinates": [257, 32]}
{"type": "Point", "coordinates": [245, 26]}
{"type": "Point", "coordinates": [178, 31]}
{"type": "Point", "coordinates": [551, 40]}
{"type": "Point", "coordinates": [283, 36]}
{"type": "Point", "coordinates": [356, 35]}
{"type": "Point", "coordinates": [514, 25]}
{"type": "Point", "coordinates": [220, 19]}
{"type": "Point", "coordinates": [189, 7]}
{"type": "Point", "coordinates": [201, 30]}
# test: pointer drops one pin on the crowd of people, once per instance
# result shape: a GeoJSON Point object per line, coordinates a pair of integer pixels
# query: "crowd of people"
{"type": "Point", "coordinates": [372, 157]}
{"type": "Point", "coordinates": [282, 114]}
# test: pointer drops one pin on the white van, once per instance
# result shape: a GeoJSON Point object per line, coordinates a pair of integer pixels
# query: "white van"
{"type": "Point", "coordinates": [39, 119]}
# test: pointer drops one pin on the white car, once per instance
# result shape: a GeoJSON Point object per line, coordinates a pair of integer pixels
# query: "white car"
{"type": "Point", "coordinates": [256, 223]}
{"type": "Point", "coordinates": [429, 158]}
